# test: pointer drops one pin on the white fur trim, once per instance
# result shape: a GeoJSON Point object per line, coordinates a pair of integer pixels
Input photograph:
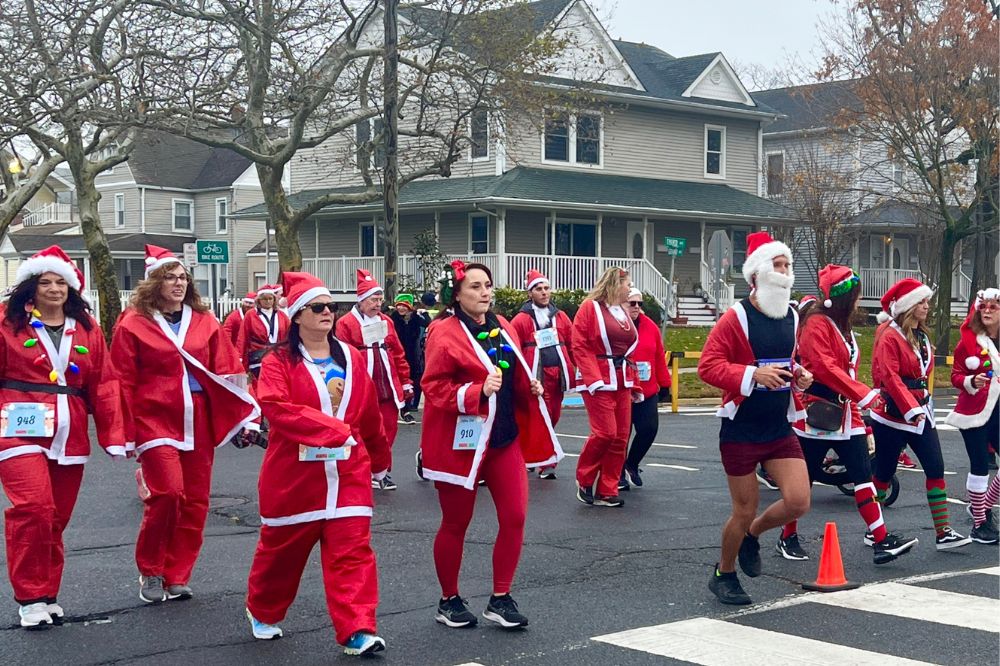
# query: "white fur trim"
{"type": "Point", "coordinates": [865, 401]}
{"type": "Point", "coordinates": [748, 384]}
{"type": "Point", "coordinates": [972, 362]}
{"type": "Point", "coordinates": [307, 296]}
{"type": "Point", "coordinates": [370, 292]}
{"type": "Point", "coordinates": [38, 265]}
{"type": "Point", "coordinates": [828, 303]}
{"type": "Point", "coordinates": [903, 304]}
{"type": "Point", "coordinates": [157, 263]}
{"type": "Point", "coordinates": [977, 484]}
{"type": "Point", "coordinates": [969, 387]}
{"type": "Point", "coordinates": [883, 317]}
{"type": "Point", "coordinates": [268, 292]}
{"type": "Point", "coordinates": [537, 281]}
{"type": "Point", "coordinates": [762, 256]}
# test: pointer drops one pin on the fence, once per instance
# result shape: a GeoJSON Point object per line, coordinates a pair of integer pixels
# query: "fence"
{"type": "Point", "coordinates": [221, 307]}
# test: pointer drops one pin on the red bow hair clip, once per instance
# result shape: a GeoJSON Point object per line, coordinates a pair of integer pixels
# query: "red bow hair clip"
{"type": "Point", "coordinates": [459, 267]}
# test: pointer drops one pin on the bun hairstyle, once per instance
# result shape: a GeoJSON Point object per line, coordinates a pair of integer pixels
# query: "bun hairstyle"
{"type": "Point", "coordinates": [452, 277]}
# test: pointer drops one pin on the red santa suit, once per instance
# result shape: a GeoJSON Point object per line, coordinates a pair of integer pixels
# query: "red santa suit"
{"type": "Point", "coordinates": [260, 330]}
{"type": "Point", "coordinates": [329, 501]}
{"type": "Point", "coordinates": [184, 401]}
{"type": "Point", "coordinates": [234, 324]}
{"type": "Point", "coordinates": [602, 348]}
{"type": "Point", "coordinates": [41, 473]}
{"type": "Point", "coordinates": [556, 379]}
{"type": "Point", "coordinates": [895, 362]}
{"type": "Point", "coordinates": [975, 354]}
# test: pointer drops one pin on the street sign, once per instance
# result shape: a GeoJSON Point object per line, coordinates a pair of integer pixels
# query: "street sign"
{"type": "Point", "coordinates": [213, 252]}
{"type": "Point", "coordinates": [190, 254]}
{"type": "Point", "coordinates": [675, 246]}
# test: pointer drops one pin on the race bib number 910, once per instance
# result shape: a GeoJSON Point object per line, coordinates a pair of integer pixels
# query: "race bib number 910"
{"type": "Point", "coordinates": [467, 432]}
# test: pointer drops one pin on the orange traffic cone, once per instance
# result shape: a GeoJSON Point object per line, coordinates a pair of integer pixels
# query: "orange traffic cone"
{"type": "Point", "coordinates": [831, 567]}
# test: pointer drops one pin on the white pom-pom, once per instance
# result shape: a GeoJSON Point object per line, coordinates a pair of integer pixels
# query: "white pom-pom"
{"type": "Point", "coordinates": [828, 303]}
{"type": "Point", "coordinates": [971, 362]}
{"type": "Point", "coordinates": [882, 317]}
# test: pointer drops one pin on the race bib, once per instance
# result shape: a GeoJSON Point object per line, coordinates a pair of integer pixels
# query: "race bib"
{"type": "Point", "coordinates": [323, 453]}
{"type": "Point", "coordinates": [782, 363]}
{"type": "Point", "coordinates": [546, 337]}
{"type": "Point", "coordinates": [27, 419]}
{"type": "Point", "coordinates": [645, 370]}
{"type": "Point", "coordinates": [467, 433]}
{"type": "Point", "coordinates": [374, 332]}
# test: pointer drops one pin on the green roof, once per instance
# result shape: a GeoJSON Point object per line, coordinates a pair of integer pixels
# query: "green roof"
{"type": "Point", "coordinates": [559, 188]}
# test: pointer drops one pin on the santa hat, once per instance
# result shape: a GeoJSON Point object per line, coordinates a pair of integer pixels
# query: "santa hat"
{"type": "Point", "coordinates": [405, 299]}
{"type": "Point", "coordinates": [761, 251]}
{"type": "Point", "coordinates": [250, 298]}
{"type": "Point", "coordinates": [269, 290]}
{"type": "Point", "coordinates": [50, 260]}
{"type": "Point", "coordinates": [973, 360]}
{"type": "Point", "coordinates": [534, 278]}
{"type": "Point", "coordinates": [157, 257]}
{"type": "Point", "coordinates": [367, 285]}
{"type": "Point", "coordinates": [835, 281]}
{"type": "Point", "coordinates": [300, 289]}
{"type": "Point", "coordinates": [633, 292]}
{"type": "Point", "coordinates": [805, 301]}
{"type": "Point", "coordinates": [901, 297]}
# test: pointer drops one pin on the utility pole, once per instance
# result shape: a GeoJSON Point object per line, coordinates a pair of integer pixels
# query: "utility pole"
{"type": "Point", "coordinates": [390, 180]}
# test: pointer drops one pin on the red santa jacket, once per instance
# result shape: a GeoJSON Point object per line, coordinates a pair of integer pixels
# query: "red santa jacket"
{"type": "Point", "coordinates": [452, 384]}
{"type": "Point", "coordinates": [234, 324]}
{"type": "Point", "coordinates": [590, 341]}
{"type": "Point", "coordinates": [390, 350]}
{"type": "Point", "coordinates": [525, 326]}
{"type": "Point", "coordinates": [893, 360]}
{"type": "Point", "coordinates": [650, 350]}
{"type": "Point", "coordinates": [296, 401]}
{"type": "Point", "coordinates": [728, 362]}
{"type": "Point", "coordinates": [94, 379]}
{"type": "Point", "coordinates": [255, 336]}
{"type": "Point", "coordinates": [974, 405]}
{"type": "Point", "coordinates": [825, 352]}
{"type": "Point", "coordinates": [153, 365]}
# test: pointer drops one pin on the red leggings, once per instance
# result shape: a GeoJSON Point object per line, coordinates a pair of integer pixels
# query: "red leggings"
{"type": "Point", "coordinates": [603, 454]}
{"type": "Point", "coordinates": [350, 578]}
{"type": "Point", "coordinates": [42, 496]}
{"type": "Point", "coordinates": [504, 472]}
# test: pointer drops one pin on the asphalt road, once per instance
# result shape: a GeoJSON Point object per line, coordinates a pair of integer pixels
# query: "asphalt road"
{"type": "Point", "coordinates": [586, 572]}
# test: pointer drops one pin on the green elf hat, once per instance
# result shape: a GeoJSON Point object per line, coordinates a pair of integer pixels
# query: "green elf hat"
{"type": "Point", "coordinates": [405, 299]}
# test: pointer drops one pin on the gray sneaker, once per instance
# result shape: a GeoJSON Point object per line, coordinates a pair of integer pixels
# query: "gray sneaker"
{"type": "Point", "coordinates": [151, 589]}
{"type": "Point", "coordinates": [179, 592]}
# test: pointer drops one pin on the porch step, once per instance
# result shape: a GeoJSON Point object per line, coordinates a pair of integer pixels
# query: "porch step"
{"type": "Point", "coordinates": [696, 310]}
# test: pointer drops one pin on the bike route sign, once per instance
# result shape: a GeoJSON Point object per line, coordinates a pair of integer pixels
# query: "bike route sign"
{"type": "Point", "coordinates": [213, 252]}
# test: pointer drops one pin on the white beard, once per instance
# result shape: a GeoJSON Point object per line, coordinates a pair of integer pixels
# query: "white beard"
{"type": "Point", "coordinates": [773, 293]}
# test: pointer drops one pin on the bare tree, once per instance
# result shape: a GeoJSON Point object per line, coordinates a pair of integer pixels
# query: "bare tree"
{"type": "Point", "coordinates": [23, 178]}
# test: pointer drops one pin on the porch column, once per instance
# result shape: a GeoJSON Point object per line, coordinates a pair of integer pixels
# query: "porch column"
{"type": "Point", "coordinates": [502, 246]}
{"type": "Point", "coordinates": [889, 258]}
{"type": "Point", "coordinates": [600, 232]}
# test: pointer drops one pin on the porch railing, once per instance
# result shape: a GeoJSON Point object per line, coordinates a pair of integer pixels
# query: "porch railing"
{"type": "Point", "coordinates": [961, 286]}
{"type": "Point", "coordinates": [727, 295]}
{"type": "Point", "coordinates": [52, 213]}
{"type": "Point", "coordinates": [876, 281]}
{"type": "Point", "coordinates": [220, 307]}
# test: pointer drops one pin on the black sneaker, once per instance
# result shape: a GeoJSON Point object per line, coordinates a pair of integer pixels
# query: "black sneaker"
{"type": "Point", "coordinates": [634, 475]}
{"type": "Point", "coordinates": [420, 466]}
{"type": "Point", "coordinates": [949, 538]}
{"type": "Point", "coordinates": [454, 613]}
{"type": "Point", "coordinates": [727, 589]}
{"type": "Point", "coordinates": [869, 539]}
{"type": "Point", "coordinates": [985, 533]}
{"type": "Point", "coordinates": [623, 483]}
{"type": "Point", "coordinates": [891, 547]}
{"type": "Point", "coordinates": [407, 419]}
{"type": "Point", "coordinates": [750, 556]}
{"type": "Point", "coordinates": [503, 611]}
{"type": "Point", "coordinates": [547, 473]}
{"type": "Point", "coordinates": [990, 516]}
{"type": "Point", "coordinates": [790, 549]}
{"type": "Point", "coordinates": [585, 495]}
{"type": "Point", "coordinates": [608, 500]}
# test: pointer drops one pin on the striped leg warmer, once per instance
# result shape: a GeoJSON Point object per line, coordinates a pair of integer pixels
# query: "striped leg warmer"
{"type": "Point", "coordinates": [975, 487]}
{"type": "Point", "coordinates": [881, 489]}
{"type": "Point", "coordinates": [993, 492]}
{"type": "Point", "coordinates": [937, 500]}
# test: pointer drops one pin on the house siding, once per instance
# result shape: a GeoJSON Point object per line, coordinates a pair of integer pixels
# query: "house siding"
{"type": "Point", "coordinates": [106, 210]}
{"type": "Point", "coordinates": [525, 232]}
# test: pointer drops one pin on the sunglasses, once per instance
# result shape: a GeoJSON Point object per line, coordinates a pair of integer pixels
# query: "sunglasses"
{"type": "Point", "coordinates": [317, 308]}
{"type": "Point", "coordinates": [635, 303]}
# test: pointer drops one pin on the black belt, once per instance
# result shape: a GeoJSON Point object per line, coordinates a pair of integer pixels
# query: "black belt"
{"type": "Point", "coordinates": [824, 392]}
{"type": "Point", "coordinates": [16, 385]}
{"type": "Point", "coordinates": [914, 382]}
{"type": "Point", "coordinates": [618, 361]}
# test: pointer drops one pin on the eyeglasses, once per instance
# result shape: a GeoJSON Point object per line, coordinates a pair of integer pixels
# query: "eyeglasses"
{"type": "Point", "coordinates": [317, 308]}
{"type": "Point", "coordinates": [989, 307]}
{"type": "Point", "coordinates": [635, 303]}
{"type": "Point", "coordinates": [174, 279]}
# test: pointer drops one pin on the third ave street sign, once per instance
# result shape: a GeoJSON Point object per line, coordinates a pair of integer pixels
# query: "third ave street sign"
{"type": "Point", "coordinates": [675, 246]}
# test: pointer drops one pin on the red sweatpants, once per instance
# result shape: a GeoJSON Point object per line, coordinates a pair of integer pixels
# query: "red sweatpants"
{"type": "Point", "coordinates": [173, 522]}
{"type": "Point", "coordinates": [42, 496]}
{"type": "Point", "coordinates": [603, 454]}
{"type": "Point", "coordinates": [504, 473]}
{"type": "Point", "coordinates": [350, 577]}
{"type": "Point", "coordinates": [390, 422]}
{"type": "Point", "coordinates": [553, 396]}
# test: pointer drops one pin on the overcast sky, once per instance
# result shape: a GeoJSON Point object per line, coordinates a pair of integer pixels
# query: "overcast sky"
{"type": "Point", "coordinates": [747, 31]}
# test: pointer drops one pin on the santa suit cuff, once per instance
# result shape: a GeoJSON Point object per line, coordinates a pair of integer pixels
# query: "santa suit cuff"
{"type": "Point", "coordinates": [350, 441]}
{"type": "Point", "coordinates": [129, 446]}
{"type": "Point", "coordinates": [116, 451]}
{"type": "Point", "coordinates": [865, 401]}
{"type": "Point", "coordinates": [468, 398]}
{"type": "Point", "coordinates": [910, 415]}
{"type": "Point", "coordinates": [596, 385]}
{"type": "Point", "coordinates": [746, 386]}
{"type": "Point", "coordinates": [969, 387]}
{"type": "Point", "coordinates": [407, 387]}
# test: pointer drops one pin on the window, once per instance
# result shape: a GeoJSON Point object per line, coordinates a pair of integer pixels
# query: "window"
{"type": "Point", "coordinates": [104, 153]}
{"type": "Point", "coordinates": [372, 244]}
{"type": "Point", "coordinates": [369, 139]}
{"type": "Point", "coordinates": [571, 239]}
{"type": "Point", "coordinates": [259, 280]}
{"type": "Point", "coordinates": [479, 234]}
{"type": "Point", "coordinates": [573, 138]}
{"type": "Point", "coordinates": [898, 169]}
{"type": "Point", "coordinates": [775, 174]}
{"type": "Point", "coordinates": [479, 134]}
{"type": "Point", "coordinates": [739, 244]}
{"type": "Point", "coordinates": [715, 151]}
{"type": "Point", "coordinates": [119, 211]}
{"type": "Point", "coordinates": [183, 215]}
{"type": "Point", "coordinates": [221, 211]}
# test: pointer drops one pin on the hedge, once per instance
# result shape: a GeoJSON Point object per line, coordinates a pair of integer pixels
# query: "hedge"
{"type": "Point", "coordinates": [508, 301]}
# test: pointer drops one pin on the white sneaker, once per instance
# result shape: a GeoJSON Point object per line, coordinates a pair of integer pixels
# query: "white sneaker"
{"type": "Point", "coordinates": [261, 631]}
{"type": "Point", "coordinates": [55, 612]}
{"type": "Point", "coordinates": [35, 616]}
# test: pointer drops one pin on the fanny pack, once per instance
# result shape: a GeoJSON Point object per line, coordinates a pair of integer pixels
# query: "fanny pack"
{"type": "Point", "coordinates": [826, 412]}
{"type": "Point", "coordinates": [915, 384]}
{"type": "Point", "coordinates": [257, 356]}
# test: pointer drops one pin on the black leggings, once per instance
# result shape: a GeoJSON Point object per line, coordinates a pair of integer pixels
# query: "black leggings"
{"type": "Point", "coordinates": [853, 454]}
{"type": "Point", "coordinates": [890, 442]}
{"type": "Point", "coordinates": [646, 422]}
{"type": "Point", "coordinates": [977, 441]}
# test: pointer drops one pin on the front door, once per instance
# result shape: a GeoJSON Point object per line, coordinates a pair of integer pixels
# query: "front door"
{"type": "Point", "coordinates": [635, 243]}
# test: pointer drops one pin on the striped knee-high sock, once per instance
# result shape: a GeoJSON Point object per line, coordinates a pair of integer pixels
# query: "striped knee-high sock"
{"type": "Point", "coordinates": [881, 489]}
{"type": "Point", "coordinates": [870, 510]}
{"type": "Point", "coordinates": [937, 500]}
{"type": "Point", "coordinates": [993, 492]}
{"type": "Point", "coordinates": [975, 487]}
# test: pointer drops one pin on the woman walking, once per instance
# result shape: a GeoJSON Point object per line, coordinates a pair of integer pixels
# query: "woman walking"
{"type": "Point", "coordinates": [181, 381]}
{"type": "Point", "coordinates": [315, 481]}
{"type": "Point", "coordinates": [484, 419]}
{"type": "Point", "coordinates": [902, 360]}
{"type": "Point", "coordinates": [604, 338]}
{"type": "Point", "coordinates": [976, 412]}
{"type": "Point", "coordinates": [54, 369]}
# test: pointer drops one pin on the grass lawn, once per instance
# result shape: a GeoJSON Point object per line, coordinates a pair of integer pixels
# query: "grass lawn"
{"type": "Point", "coordinates": [693, 339]}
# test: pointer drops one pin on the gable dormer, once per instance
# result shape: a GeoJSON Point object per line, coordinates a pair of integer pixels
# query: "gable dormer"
{"type": "Point", "coordinates": [719, 81]}
{"type": "Point", "coordinates": [591, 55]}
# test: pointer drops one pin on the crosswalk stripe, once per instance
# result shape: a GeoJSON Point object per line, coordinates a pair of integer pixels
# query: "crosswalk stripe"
{"type": "Point", "coordinates": [680, 467]}
{"type": "Point", "coordinates": [669, 446]}
{"type": "Point", "coordinates": [990, 571]}
{"type": "Point", "coordinates": [919, 603]}
{"type": "Point", "coordinates": [716, 643]}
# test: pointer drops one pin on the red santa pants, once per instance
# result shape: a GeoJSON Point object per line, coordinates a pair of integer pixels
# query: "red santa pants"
{"type": "Point", "coordinates": [553, 396]}
{"type": "Point", "coordinates": [603, 454]}
{"type": "Point", "coordinates": [173, 522]}
{"type": "Point", "coordinates": [42, 496]}
{"type": "Point", "coordinates": [350, 577]}
{"type": "Point", "coordinates": [503, 471]}
{"type": "Point", "coordinates": [390, 420]}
